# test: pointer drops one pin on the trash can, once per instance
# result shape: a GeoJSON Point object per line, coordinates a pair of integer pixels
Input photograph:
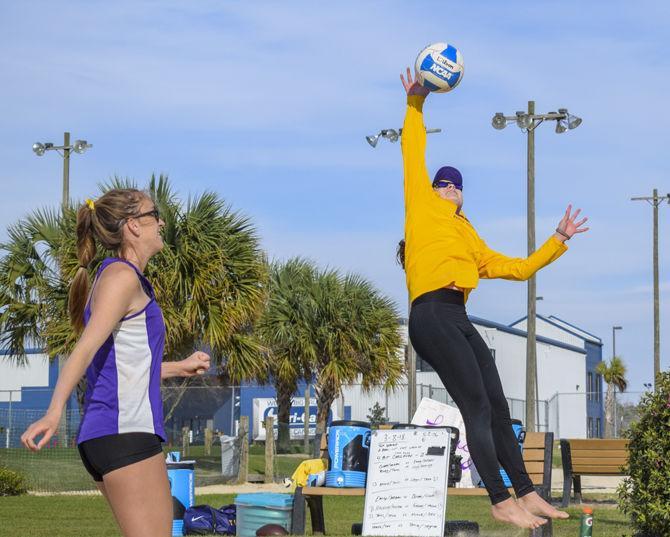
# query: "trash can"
{"type": "Point", "coordinates": [182, 488]}
{"type": "Point", "coordinates": [230, 456]}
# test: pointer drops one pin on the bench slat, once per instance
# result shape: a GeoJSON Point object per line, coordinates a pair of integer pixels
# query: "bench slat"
{"type": "Point", "coordinates": [598, 461]}
{"type": "Point", "coordinates": [537, 479]}
{"type": "Point", "coordinates": [533, 467]}
{"type": "Point", "coordinates": [597, 444]}
{"type": "Point", "coordinates": [597, 470]}
{"type": "Point", "coordinates": [533, 455]}
{"type": "Point", "coordinates": [612, 453]}
{"type": "Point", "coordinates": [332, 491]}
{"type": "Point", "coordinates": [534, 440]}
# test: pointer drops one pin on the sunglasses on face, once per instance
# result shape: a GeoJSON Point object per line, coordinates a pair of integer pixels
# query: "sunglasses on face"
{"type": "Point", "coordinates": [153, 213]}
{"type": "Point", "coordinates": [445, 184]}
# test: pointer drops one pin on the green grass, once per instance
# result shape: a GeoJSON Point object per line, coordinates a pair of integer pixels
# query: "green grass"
{"type": "Point", "coordinates": [89, 516]}
{"type": "Point", "coordinates": [61, 469]}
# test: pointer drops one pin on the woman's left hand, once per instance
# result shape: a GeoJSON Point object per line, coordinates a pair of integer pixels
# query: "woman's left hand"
{"type": "Point", "coordinates": [568, 227]}
{"type": "Point", "coordinates": [196, 364]}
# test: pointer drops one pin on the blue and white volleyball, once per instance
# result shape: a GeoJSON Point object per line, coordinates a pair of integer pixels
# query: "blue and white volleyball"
{"type": "Point", "coordinates": [439, 67]}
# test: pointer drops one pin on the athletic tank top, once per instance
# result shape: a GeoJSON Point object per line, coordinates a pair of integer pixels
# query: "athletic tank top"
{"type": "Point", "coordinates": [123, 380]}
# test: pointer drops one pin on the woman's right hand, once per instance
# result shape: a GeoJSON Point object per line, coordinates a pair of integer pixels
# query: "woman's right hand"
{"type": "Point", "coordinates": [47, 426]}
{"type": "Point", "coordinates": [412, 87]}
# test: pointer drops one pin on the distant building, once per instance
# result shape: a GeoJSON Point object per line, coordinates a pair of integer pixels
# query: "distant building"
{"type": "Point", "coordinates": [590, 388]}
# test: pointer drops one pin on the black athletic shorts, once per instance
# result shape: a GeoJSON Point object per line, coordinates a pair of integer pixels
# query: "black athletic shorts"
{"type": "Point", "coordinates": [106, 453]}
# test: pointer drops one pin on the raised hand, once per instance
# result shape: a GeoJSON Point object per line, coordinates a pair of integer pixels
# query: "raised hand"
{"type": "Point", "coordinates": [568, 226]}
{"type": "Point", "coordinates": [412, 87]}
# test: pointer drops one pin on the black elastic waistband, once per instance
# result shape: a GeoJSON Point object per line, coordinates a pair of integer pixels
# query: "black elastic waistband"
{"type": "Point", "coordinates": [446, 296]}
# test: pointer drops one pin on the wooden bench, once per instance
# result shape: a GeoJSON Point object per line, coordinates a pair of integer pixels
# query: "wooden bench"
{"type": "Point", "coordinates": [537, 455]}
{"type": "Point", "coordinates": [592, 456]}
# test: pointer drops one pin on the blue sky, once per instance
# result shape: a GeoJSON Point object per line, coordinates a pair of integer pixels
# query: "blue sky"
{"type": "Point", "coordinates": [268, 104]}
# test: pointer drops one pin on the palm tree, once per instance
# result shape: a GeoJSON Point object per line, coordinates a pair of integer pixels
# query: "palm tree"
{"type": "Point", "coordinates": [286, 330]}
{"type": "Point", "coordinates": [614, 375]}
{"type": "Point", "coordinates": [210, 280]}
{"type": "Point", "coordinates": [356, 335]}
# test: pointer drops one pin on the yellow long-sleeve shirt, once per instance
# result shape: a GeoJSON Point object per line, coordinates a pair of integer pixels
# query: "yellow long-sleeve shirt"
{"type": "Point", "coordinates": [441, 246]}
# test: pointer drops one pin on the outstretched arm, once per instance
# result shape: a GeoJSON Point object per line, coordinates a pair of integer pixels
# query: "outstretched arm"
{"type": "Point", "coordinates": [493, 264]}
{"type": "Point", "coordinates": [413, 140]}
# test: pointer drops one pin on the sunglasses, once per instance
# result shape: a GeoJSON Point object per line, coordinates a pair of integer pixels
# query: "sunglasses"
{"type": "Point", "coordinates": [153, 213]}
{"type": "Point", "coordinates": [445, 184]}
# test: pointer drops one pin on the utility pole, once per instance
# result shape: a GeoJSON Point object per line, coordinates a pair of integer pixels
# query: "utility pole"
{"type": "Point", "coordinates": [411, 373]}
{"type": "Point", "coordinates": [528, 122]}
{"type": "Point", "coordinates": [655, 201]}
{"type": "Point", "coordinates": [531, 339]}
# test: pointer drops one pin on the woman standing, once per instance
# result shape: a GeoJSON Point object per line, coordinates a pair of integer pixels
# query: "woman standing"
{"type": "Point", "coordinates": [121, 350]}
{"type": "Point", "coordinates": [444, 259]}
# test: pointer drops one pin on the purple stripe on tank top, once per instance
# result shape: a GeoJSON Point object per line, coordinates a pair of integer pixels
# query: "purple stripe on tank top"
{"type": "Point", "coordinates": [156, 331]}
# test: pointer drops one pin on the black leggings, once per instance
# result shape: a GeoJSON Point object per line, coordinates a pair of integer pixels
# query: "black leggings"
{"type": "Point", "coordinates": [443, 336]}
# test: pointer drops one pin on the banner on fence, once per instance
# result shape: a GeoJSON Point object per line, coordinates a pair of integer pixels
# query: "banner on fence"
{"type": "Point", "coordinates": [265, 407]}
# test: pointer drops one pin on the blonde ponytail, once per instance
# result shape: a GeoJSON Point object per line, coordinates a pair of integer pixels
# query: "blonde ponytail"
{"type": "Point", "coordinates": [102, 220]}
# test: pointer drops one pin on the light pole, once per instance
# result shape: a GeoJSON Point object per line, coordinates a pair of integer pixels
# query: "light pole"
{"type": "Point", "coordinates": [614, 329]}
{"type": "Point", "coordinates": [79, 146]}
{"type": "Point", "coordinates": [655, 201]}
{"type": "Point", "coordinates": [528, 122]}
{"type": "Point", "coordinates": [393, 135]}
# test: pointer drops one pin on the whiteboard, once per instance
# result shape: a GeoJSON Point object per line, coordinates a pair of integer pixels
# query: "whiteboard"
{"type": "Point", "coordinates": [407, 482]}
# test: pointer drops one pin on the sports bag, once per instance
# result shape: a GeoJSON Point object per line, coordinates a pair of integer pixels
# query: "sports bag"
{"type": "Point", "coordinates": [207, 520]}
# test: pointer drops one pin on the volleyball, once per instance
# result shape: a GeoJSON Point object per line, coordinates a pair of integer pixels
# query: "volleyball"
{"type": "Point", "coordinates": [439, 67]}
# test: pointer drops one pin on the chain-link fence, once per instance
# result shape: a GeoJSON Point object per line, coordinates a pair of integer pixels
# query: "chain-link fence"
{"type": "Point", "coordinates": [592, 414]}
{"type": "Point", "coordinates": [200, 420]}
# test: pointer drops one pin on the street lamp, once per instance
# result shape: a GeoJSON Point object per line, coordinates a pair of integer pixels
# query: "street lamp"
{"type": "Point", "coordinates": [79, 146]}
{"type": "Point", "coordinates": [614, 329]}
{"type": "Point", "coordinates": [528, 122]}
{"type": "Point", "coordinates": [392, 135]}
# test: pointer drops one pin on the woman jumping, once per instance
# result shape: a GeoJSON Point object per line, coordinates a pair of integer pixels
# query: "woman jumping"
{"type": "Point", "coordinates": [444, 259]}
{"type": "Point", "coordinates": [121, 351]}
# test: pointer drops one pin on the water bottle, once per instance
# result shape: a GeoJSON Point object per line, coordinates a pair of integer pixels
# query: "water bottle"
{"type": "Point", "coordinates": [586, 526]}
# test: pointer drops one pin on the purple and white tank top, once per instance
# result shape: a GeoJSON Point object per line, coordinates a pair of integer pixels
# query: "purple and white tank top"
{"type": "Point", "coordinates": [124, 379]}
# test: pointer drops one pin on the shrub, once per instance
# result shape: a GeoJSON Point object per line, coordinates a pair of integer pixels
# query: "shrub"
{"type": "Point", "coordinates": [11, 483]}
{"type": "Point", "coordinates": [377, 416]}
{"type": "Point", "coordinates": [645, 494]}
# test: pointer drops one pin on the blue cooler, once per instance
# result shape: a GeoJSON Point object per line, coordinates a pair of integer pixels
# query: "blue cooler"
{"type": "Point", "coordinates": [520, 434]}
{"type": "Point", "coordinates": [255, 510]}
{"type": "Point", "coordinates": [348, 449]}
{"type": "Point", "coordinates": [182, 488]}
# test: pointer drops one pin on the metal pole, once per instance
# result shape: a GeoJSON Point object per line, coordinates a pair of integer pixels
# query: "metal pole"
{"type": "Point", "coordinates": [615, 416]}
{"type": "Point", "coordinates": [657, 332]}
{"type": "Point", "coordinates": [62, 426]}
{"type": "Point", "coordinates": [66, 170]}
{"type": "Point", "coordinates": [305, 440]}
{"type": "Point", "coordinates": [9, 420]}
{"type": "Point", "coordinates": [531, 345]}
{"type": "Point", "coordinates": [655, 202]}
{"type": "Point", "coordinates": [613, 343]}
{"type": "Point", "coordinates": [411, 372]}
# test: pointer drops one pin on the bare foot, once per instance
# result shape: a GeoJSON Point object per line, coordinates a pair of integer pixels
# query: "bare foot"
{"type": "Point", "coordinates": [534, 504]}
{"type": "Point", "coordinates": [510, 511]}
